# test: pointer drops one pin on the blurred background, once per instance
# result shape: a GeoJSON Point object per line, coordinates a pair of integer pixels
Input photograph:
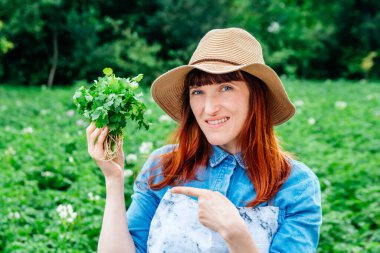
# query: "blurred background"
{"type": "Point", "coordinates": [52, 194]}
{"type": "Point", "coordinates": [72, 40]}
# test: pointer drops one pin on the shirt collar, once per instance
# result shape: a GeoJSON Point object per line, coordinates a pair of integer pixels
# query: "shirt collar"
{"type": "Point", "coordinates": [219, 155]}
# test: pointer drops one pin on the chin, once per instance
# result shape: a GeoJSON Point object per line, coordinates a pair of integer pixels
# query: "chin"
{"type": "Point", "coordinates": [216, 142]}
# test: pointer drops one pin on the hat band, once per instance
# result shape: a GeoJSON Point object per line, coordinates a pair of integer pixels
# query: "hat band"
{"type": "Point", "coordinates": [214, 60]}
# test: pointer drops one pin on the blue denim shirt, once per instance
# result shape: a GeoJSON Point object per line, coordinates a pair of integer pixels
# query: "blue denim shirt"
{"type": "Point", "coordinates": [299, 199]}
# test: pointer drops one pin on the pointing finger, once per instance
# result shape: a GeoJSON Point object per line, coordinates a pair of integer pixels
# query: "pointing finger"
{"type": "Point", "coordinates": [190, 191]}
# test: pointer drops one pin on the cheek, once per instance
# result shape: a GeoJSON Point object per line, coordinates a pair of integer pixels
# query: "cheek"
{"type": "Point", "coordinates": [240, 106]}
{"type": "Point", "coordinates": [195, 107]}
{"type": "Point", "coordinates": [235, 103]}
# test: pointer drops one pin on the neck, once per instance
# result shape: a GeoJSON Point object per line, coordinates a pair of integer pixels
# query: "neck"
{"type": "Point", "coordinates": [231, 149]}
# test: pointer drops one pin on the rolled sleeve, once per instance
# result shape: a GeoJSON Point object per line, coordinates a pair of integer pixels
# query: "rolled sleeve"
{"type": "Point", "coordinates": [299, 228]}
{"type": "Point", "coordinates": [139, 215]}
{"type": "Point", "coordinates": [144, 203]}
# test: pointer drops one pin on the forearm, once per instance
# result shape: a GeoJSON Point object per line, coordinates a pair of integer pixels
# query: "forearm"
{"type": "Point", "coordinates": [239, 240]}
{"type": "Point", "coordinates": [114, 235]}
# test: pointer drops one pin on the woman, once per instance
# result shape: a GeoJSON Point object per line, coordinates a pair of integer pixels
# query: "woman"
{"type": "Point", "coordinates": [226, 185]}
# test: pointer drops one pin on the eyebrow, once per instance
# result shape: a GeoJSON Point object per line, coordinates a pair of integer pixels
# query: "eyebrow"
{"type": "Point", "coordinates": [198, 86]}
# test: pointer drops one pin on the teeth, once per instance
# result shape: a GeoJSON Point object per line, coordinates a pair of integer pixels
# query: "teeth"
{"type": "Point", "coordinates": [215, 122]}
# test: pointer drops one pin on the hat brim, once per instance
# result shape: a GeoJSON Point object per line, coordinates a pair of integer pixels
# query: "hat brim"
{"type": "Point", "coordinates": [167, 89]}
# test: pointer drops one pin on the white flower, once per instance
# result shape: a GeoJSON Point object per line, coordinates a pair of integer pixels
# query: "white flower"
{"type": "Point", "coordinates": [274, 27]}
{"type": "Point", "coordinates": [131, 158]}
{"type": "Point", "coordinates": [70, 113]}
{"type": "Point", "coordinates": [44, 111]}
{"type": "Point", "coordinates": [47, 174]}
{"type": "Point", "coordinates": [72, 218]}
{"type": "Point", "coordinates": [148, 112]}
{"type": "Point", "coordinates": [298, 103]}
{"type": "Point", "coordinates": [146, 147]}
{"type": "Point", "coordinates": [71, 159]}
{"type": "Point", "coordinates": [14, 215]}
{"type": "Point", "coordinates": [66, 212]}
{"type": "Point", "coordinates": [165, 118]}
{"type": "Point", "coordinates": [62, 211]}
{"type": "Point", "coordinates": [17, 215]}
{"type": "Point", "coordinates": [340, 104]}
{"type": "Point", "coordinates": [93, 197]}
{"type": "Point", "coordinates": [27, 130]}
{"type": "Point", "coordinates": [10, 151]}
{"type": "Point", "coordinates": [311, 121]}
{"type": "Point", "coordinates": [128, 173]}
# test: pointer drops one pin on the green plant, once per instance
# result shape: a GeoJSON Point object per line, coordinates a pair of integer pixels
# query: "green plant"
{"type": "Point", "coordinates": [110, 101]}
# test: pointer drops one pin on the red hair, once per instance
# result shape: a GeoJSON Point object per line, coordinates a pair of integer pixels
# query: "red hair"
{"type": "Point", "coordinates": [266, 163]}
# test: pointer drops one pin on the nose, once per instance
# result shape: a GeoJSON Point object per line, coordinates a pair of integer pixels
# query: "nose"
{"type": "Point", "coordinates": [212, 105]}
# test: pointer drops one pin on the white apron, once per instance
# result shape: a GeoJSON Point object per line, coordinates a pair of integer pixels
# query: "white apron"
{"type": "Point", "coordinates": [175, 227]}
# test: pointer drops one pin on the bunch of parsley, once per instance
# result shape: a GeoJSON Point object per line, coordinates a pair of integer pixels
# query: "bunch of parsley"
{"type": "Point", "coordinates": [111, 101]}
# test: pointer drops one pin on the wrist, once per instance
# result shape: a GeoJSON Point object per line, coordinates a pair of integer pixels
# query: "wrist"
{"type": "Point", "coordinates": [114, 181]}
{"type": "Point", "coordinates": [230, 233]}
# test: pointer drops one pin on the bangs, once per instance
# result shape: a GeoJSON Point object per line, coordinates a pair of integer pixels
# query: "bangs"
{"type": "Point", "coordinates": [199, 78]}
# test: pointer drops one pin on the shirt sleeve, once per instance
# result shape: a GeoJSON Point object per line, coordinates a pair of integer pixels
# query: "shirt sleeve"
{"type": "Point", "coordinates": [143, 206]}
{"type": "Point", "coordinates": [299, 227]}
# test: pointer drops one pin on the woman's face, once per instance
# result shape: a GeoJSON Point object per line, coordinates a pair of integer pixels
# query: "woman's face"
{"type": "Point", "coordinates": [221, 111]}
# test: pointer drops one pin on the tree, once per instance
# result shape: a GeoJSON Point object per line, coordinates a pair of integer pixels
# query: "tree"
{"type": "Point", "coordinates": [62, 41]}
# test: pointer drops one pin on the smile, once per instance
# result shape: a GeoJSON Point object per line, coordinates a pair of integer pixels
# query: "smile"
{"type": "Point", "coordinates": [217, 122]}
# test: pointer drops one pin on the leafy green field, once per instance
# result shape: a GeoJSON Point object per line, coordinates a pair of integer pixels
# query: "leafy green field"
{"type": "Point", "coordinates": [44, 164]}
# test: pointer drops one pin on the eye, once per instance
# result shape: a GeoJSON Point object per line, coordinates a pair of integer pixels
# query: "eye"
{"type": "Point", "coordinates": [226, 88]}
{"type": "Point", "coordinates": [196, 92]}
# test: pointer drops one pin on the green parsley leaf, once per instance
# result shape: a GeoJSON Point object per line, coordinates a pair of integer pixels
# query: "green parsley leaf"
{"type": "Point", "coordinates": [107, 71]}
{"type": "Point", "coordinates": [111, 101]}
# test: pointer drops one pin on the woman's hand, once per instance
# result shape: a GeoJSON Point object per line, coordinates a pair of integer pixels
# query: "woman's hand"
{"type": "Point", "coordinates": [95, 140]}
{"type": "Point", "coordinates": [215, 210]}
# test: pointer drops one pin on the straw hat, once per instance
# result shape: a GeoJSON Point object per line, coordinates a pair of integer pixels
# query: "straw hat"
{"type": "Point", "coordinates": [223, 51]}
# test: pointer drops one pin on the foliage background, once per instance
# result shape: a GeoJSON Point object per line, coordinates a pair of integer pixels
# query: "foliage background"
{"type": "Point", "coordinates": [43, 153]}
{"type": "Point", "coordinates": [307, 39]}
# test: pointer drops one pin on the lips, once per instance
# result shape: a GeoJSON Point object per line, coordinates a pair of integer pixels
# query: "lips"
{"type": "Point", "coordinates": [217, 121]}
